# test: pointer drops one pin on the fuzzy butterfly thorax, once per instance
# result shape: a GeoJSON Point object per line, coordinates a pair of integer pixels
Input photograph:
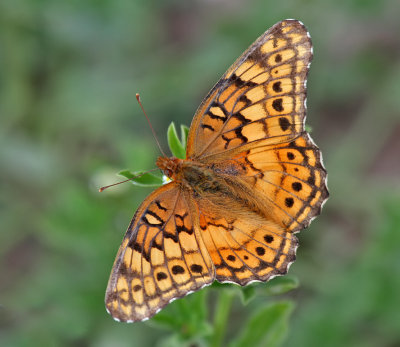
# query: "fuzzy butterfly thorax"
{"type": "Point", "coordinates": [252, 178]}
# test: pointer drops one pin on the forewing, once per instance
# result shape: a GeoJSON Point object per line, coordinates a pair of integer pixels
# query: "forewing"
{"type": "Point", "coordinates": [161, 258]}
{"type": "Point", "coordinates": [260, 100]}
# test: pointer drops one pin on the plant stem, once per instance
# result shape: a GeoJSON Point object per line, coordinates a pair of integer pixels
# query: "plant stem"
{"type": "Point", "coordinates": [221, 316]}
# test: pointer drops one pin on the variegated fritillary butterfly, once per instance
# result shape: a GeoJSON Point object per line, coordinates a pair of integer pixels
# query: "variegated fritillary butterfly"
{"type": "Point", "coordinates": [252, 178]}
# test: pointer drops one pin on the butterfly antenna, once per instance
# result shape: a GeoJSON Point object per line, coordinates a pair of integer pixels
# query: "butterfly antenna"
{"type": "Point", "coordinates": [130, 179]}
{"type": "Point", "coordinates": [151, 127]}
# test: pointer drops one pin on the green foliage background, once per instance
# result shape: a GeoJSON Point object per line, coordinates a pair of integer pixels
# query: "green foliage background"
{"type": "Point", "coordinates": [69, 71]}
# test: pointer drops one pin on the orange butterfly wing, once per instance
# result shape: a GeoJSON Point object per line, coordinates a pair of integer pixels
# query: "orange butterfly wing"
{"type": "Point", "coordinates": [161, 258]}
{"type": "Point", "coordinates": [244, 246]}
{"type": "Point", "coordinates": [289, 180]}
{"type": "Point", "coordinates": [260, 100]}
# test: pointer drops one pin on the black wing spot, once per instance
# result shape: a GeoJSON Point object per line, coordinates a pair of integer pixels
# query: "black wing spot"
{"type": "Point", "coordinates": [289, 202]}
{"type": "Point", "coordinates": [290, 155]}
{"type": "Point", "coordinates": [278, 58]}
{"type": "Point", "coordinates": [268, 238]}
{"type": "Point", "coordinates": [231, 257]}
{"type": "Point", "coordinates": [284, 123]}
{"type": "Point", "coordinates": [260, 251]}
{"type": "Point", "coordinates": [196, 268]}
{"type": "Point", "coordinates": [137, 288]}
{"type": "Point", "coordinates": [277, 87]}
{"type": "Point", "coordinates": [297, 186]}
{"type": "Point", "coordinates": [177, 269]}
{"type": "Point", "coordinates": [277, 105]}
{"type": "Point", "coordinates": [161, 276]}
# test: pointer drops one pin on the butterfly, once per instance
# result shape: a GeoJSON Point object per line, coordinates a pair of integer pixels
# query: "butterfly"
{"type": "Point", "coordinates": [251, 179]}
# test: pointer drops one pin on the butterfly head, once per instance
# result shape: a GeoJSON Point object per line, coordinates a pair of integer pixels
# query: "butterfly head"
{"type": "Point", "coordinates": [169, 166]}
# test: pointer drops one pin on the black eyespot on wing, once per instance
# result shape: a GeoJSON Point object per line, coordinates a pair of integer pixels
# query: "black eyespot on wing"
{"type": "Point", "coordinates": [177, 269]}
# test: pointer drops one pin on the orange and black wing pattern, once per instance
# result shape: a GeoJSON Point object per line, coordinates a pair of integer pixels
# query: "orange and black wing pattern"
{"type": "Point", "coordinates": [161, 258]}
{"type": "Point", "coordinates": [244, 246]}
{"type": "Point", "coordinates": [260, 100]}
{"type": "Point", "coordinates": [289, 179]}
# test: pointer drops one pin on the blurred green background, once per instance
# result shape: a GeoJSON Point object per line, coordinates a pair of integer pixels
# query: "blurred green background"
{"type": "Point", "coordinates": [69, 71]}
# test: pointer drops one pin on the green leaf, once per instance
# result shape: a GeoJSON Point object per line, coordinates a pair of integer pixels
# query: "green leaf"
{"type": "Point", "coordinates": [187, 316]}
{"type": "Point", "coordinates": [267, 327]}
{"type": "Point", "coordinates": [165, 319]}
{"type": "Point", "coordinates": [221, 315]}
{"type": "Point", "coordinates": [171, 341]}
{"type": "Point", "coordinates": [281, 285]}
{"type": "Point", "coordinates": [184, 135]}
{"type": "Point", "coordinates": [176, 340]}
{"type": "Point", "coordinates": [219, 286]}
{"type": "Point", "coordinates": [144, 179]}
{"type": "Point", "coordinates": [247, 294]}
{"type": "Point", "coordinates": [198, 304]}
{"type": "Point", "coordinates": [176, 146]}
